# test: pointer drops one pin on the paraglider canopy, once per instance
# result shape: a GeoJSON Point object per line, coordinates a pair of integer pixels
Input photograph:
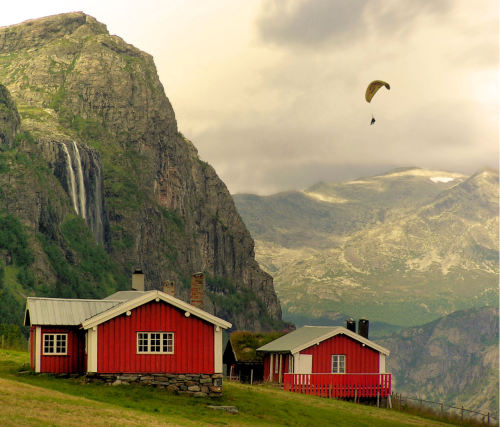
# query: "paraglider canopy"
{"type": "Point", "coordinates": [373, 87]}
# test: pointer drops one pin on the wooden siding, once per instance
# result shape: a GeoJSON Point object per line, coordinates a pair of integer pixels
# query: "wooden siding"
{"type": "Point", "coordinates": [193, 342]}
{"type": "Point", "coordinates": [72, 362]}
{"type": "Point", "coordinates": [275, 375]}
{"type": "Point", "coordinates": [32, 348]}
{"type": "Point", "coordinates": [359, 359]}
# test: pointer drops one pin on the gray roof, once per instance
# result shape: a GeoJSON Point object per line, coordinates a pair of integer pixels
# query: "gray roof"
{"type": "Point", "coordinates": [307, 336]}
{"type": "Point", "coordinates": [296, 338]}
{"type": "Point", "coordinates": [125, 295]}
{"type": "Point", "coordinates": [57, 311]}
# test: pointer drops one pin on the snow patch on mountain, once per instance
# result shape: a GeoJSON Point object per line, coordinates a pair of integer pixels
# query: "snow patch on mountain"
{"type": "Point", "coordinates": [444, 179]}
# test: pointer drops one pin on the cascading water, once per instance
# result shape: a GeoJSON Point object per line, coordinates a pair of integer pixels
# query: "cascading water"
{"type": "Point", "coordinates": [81, 183]}
{"type": "Point", "coordinates": [71, 179]}
{"type": "Point", "coordinates": [83, 177]}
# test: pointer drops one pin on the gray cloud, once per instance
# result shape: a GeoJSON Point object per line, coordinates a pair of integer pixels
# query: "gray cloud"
{"type": "Point", "coordinates": [310, 23]}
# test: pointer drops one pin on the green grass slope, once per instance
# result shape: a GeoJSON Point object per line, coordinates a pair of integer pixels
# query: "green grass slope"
{"type": "Point", "coordinates": [46, 400]}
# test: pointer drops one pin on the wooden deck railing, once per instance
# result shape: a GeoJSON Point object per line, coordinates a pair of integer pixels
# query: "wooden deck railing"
{"type": "Point", "coordinates": [339, 385]}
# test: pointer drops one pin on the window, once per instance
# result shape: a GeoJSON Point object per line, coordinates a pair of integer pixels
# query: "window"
{"type": "Point", "coordinates": [338, 363]}
{"type": "Point", "coordinates": [55, 344]}
{"type": "Point", "coordinates": [155, 342]}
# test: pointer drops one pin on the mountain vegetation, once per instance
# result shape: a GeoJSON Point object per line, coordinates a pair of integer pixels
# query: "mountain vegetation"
{"type": "Point", "coordinates": [402, 248]}
{"type": "Point", "coordinates": [96, 180]}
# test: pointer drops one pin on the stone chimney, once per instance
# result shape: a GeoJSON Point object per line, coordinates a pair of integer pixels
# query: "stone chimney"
{"type": "Point", "coordinates": [197, 285]}
{"type": "Point", "coordinates": [169, 288]}
{"type": "Point", "coordinates": [138, 280]}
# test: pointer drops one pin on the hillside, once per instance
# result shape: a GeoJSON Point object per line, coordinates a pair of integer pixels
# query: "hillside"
{"type": "Point", "coordinates": [96, 180]}
{"type": "Point", "coordinates": [39, 400]}
{"type": "Point", "coordinates": [453, 359]}
{"type": "Point", "coordinates": [403, 248]}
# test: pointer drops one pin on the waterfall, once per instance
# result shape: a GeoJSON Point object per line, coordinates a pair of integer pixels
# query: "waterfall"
{"type": "Point", "coordinates": [72, 182]}
{"type": "Point", "coordinates": [81, 183]}
{"type": "Point", "coordinates": [80, 172]}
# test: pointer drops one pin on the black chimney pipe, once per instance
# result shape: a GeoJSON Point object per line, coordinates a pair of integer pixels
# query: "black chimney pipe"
{"type": "Point", "coordinates": [351, 324]}
{"type": "Point", "coordinates": [363, 327]}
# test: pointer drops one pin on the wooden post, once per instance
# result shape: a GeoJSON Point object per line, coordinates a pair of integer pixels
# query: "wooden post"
{"type": "Point", "coordinates": [389, 401]}
{"type": "Point", "coordinates": [488, 418]}
{"type": "Point", "coordinates": [279, 368]}
{"type": "Point", "coordinates": [231, 373]}
{"type": "Point", "coordinates": [378, 399]}
{"type": "Point", "coordinates": [251, 377]}
{"type": "Point", "coordinates": [462, 415]}
{"type": "Point", "coordinates": [356, 395]}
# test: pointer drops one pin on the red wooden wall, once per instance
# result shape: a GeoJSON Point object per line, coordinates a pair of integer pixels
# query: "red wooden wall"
{"type": "Point", "coordinates": [193, 342]}
{"type": "Point", "coordinates": [72, 362]}
{"type": "Point", "coordinates": [32, 348]}
{"type": "Point", "coordinates": [284, 366]}
{"type": "Point", "coordinates": [358, 360]}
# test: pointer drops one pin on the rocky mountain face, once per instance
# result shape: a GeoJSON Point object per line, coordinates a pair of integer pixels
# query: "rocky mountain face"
{"type": "Point", "coordinates": [403, 248]}
{"type": "Point", "coordinates": [93, 163]}
{"type": "Point", "coordinates": [452, 360]}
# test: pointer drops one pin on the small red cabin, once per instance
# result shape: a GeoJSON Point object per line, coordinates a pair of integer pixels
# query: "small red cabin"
{"type": "Point", "coordinates": [137, 332]}
{"type": "Point", "coordinates": [329, 361]}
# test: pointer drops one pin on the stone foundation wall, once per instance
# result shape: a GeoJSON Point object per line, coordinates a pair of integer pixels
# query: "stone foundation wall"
{"type": "Point", "coordinates": [197, 385]}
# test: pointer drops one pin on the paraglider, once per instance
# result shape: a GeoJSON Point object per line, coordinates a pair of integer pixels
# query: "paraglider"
{"type": "Point", "coordinates": [372, 89]}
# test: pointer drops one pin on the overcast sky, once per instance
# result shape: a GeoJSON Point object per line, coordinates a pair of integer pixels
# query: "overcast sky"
{"type": "Point", "coordinates": [271, 92]}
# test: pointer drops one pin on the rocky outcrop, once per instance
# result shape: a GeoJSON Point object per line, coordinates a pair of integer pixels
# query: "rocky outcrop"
{"type": "Point", "coordinates": [101, 121]}
{"type": "Point", "coordinates": [9, 118]}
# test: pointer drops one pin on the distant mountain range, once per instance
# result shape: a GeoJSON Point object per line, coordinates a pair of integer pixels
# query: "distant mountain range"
{"type": "Point", "coordinates": [402, 248]}
{"type": "Point", "coordinates": [452, 360]}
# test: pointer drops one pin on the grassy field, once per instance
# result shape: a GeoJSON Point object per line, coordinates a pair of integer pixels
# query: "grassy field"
{"type": "Point", "coordinates": [41, 400]}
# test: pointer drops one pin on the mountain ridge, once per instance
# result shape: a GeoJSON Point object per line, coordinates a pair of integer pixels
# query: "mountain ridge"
{"type": "Point", "coordinates": [400, 248]}
{"type": "Point", "coordinates": [98, 151]}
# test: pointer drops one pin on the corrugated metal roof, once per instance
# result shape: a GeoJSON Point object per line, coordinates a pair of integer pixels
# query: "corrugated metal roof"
{"type": "Point", "coordinates": [307, 336]}
{"type": "Point", "coordinates": [57, 311]}
{"type": "Point", "coordinates": [297, 338]}
{"type": "Point", "coordinates": [125, 295]}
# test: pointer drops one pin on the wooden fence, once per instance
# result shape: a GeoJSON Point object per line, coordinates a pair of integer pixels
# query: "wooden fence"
{"type": "Point", "coordinates": [339, 385]}
{"type": "Point", "coordinates": [401, 402]}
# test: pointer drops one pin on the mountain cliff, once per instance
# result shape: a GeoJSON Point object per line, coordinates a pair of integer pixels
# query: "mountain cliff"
{"type": "Point", "coordinates": [403, 248]}
{"type": "Point", "coordinates": [99, 181]}
{"type": "Point", "coordinates": [453, 359]}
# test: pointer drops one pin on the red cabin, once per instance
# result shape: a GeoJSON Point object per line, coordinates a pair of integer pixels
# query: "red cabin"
{"type": "Point", "coordinates": [139, 332]}
{"type": "Point", "coordinates": [329, 361]}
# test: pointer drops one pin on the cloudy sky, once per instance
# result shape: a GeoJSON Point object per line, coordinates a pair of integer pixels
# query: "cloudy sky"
{"type": "Point", "coordinates": [271, 92]}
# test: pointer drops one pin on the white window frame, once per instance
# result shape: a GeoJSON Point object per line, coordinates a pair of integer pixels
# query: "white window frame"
{"type": "Point", "coordinates": [148, 340]}
{"type": "Point", "coordinates": [338, 361]}
{"type": "Point", "coordinates": [52, 350]}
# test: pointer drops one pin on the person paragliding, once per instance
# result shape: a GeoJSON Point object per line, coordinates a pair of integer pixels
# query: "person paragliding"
{"type": "Point", "coordinates": [372, 89]}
